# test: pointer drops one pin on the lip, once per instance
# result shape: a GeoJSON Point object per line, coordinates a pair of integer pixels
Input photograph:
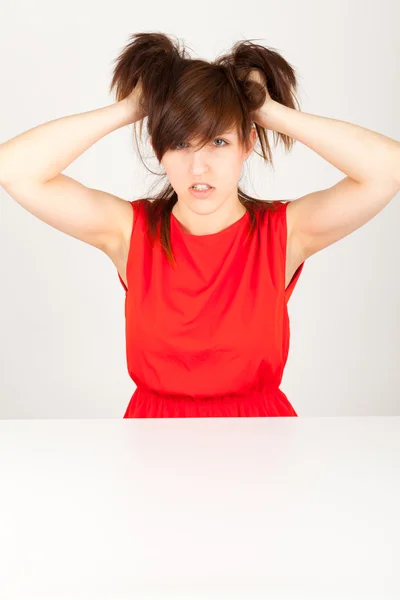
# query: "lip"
{"type": "Point", "coordinates": [202, 193]}
{"type": "Point", "coordinates": [200, 183]}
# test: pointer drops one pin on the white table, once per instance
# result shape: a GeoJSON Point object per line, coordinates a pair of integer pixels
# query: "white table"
{"type": "Point", "coordinates": [200, 508]}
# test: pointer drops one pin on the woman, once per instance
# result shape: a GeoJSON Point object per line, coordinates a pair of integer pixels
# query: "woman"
{"type": "Point", "coordinates": [207, 272]}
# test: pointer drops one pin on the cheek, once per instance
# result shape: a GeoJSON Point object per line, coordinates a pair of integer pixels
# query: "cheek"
{"type": "Point", "coordinates": [232, 168]}
{"type": "Point", "coordinates": [172, 169]}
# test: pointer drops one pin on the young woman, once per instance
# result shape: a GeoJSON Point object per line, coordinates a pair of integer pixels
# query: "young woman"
{"type": "Point", "coordinates": [207, 270]}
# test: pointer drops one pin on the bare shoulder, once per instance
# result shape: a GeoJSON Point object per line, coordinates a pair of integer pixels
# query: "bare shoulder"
{"type": "Point", "coordinates": [118, 249]}
{"type": "Point", "coordinates": [123, 223]}
{"type": "Point", "coordinates": [93, 216]}
{"type": "Point", "coordinates": [296, 251]}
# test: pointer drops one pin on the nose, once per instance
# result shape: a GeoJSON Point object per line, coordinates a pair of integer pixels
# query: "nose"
{"type": "Point", "coordinates": [199, 163]}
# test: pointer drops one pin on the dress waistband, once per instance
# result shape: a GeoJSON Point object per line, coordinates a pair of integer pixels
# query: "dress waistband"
{"type": "Point", "coordinates": [234, 396]}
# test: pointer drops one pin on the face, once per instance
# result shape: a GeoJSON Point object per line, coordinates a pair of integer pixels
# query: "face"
{"type": "Point", "coordinates": [219, 163]}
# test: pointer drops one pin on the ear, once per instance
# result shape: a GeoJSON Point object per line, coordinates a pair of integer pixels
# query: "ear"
{"type": "Point", "coordinates": [252, 141]}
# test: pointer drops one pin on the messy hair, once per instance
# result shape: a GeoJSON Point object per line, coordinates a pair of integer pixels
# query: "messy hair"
{"type": "Point", "coordinates": [186, 98]}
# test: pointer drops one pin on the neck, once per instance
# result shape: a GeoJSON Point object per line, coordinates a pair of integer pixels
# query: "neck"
{"type": "Point", "coordinates": [208, 222]}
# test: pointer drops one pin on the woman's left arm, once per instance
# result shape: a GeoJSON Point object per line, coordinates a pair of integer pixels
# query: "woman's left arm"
{"type": "Point", "coordinates": [370, 160]}
{"type": "Point", "coordinates": [360, 153]}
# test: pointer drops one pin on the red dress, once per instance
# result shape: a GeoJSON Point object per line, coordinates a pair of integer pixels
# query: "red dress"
{"type": "Point", "coordinates": [210, 337]}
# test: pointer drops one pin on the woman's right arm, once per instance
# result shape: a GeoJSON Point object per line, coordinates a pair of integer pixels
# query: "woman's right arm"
{"type": "Point", "coordinates": [30, 172]}
{"type": "Point", "coordinates": [44, 151]}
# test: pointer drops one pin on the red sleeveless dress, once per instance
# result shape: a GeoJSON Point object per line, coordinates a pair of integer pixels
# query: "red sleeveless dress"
{"type": "Point", "coordinates": [210, 337]}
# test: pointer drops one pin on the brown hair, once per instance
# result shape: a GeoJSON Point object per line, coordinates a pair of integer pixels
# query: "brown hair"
{"type": "Point", "coordinates": [184, 98]}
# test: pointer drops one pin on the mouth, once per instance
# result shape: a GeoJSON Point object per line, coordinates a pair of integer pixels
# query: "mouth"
{"type": "Point", "coordinates": [201, 193]}
{"type": "Point", "coordinates": [203, 186]}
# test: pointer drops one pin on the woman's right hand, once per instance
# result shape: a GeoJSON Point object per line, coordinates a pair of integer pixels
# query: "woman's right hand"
{"type": "Point", "coordinates": [132, 102]}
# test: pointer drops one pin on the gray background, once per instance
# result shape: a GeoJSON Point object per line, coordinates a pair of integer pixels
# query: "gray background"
{"type": "Point", "coordinates": [62, 350]}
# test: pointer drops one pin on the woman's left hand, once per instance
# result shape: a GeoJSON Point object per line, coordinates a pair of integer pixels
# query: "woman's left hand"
{"type": "Point", "coordinates": [257, 75]}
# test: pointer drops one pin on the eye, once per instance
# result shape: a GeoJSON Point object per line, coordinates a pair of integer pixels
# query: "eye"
{"type": "Point", "coordinates": [218, 146]}
{"type": "Point", "coordinates": [221, 140]}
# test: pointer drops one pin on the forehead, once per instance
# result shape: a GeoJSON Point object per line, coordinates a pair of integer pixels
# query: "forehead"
{"type": "Point", "coordinates": [231, 133]}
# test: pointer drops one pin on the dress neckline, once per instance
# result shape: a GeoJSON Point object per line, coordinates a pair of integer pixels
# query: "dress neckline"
{"type": "Point", "coordinates": [209, 235]}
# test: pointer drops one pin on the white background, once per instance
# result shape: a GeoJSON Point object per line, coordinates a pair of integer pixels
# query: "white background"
{"type": "Point", "coordinates": [62, 344]}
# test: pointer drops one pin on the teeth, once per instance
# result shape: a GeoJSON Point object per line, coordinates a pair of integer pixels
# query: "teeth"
{"type": "Point", "coordinates": [201, 187]}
